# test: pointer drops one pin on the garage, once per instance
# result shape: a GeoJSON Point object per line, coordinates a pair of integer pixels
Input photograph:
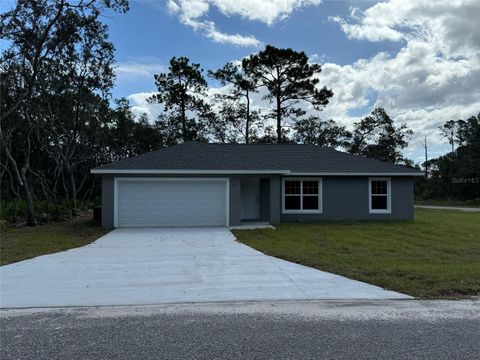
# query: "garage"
{"type": "Point", "coordinates": [170, 202]}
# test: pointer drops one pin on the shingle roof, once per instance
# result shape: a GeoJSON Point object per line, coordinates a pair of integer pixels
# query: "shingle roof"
{"type": "Point", "coordinates": [293, 158]}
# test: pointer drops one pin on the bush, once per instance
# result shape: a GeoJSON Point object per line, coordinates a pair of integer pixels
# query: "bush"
{"type": "Point", "coordinates": [14, 211]}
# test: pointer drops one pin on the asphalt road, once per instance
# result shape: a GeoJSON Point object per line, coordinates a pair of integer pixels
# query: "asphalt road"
{"type": "Point", "coordinates": [269, 330]}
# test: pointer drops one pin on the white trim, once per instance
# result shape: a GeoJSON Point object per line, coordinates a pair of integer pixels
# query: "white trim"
{"type": "Point", "coordinates": [389, 196]}
{"type": "Point", "coordinates": [320, 196]}
{"type": "Point", "coordinates": [282, 172]}
{"type": "Point", "coordinates": [127, 179]}
{"type": "Point", "coordinates": [227, 201]}
{"type": "Point", "coordinates": [179, 171]}
{"type": "Point", "coordinates": [356, 174]}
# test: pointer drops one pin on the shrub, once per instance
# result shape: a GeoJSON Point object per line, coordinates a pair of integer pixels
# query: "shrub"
{"type": "Point", "coordinates": [13, 211]}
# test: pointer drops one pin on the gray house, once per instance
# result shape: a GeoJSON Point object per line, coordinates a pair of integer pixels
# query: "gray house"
{"type": "Point", "coordinates": [197, 184]}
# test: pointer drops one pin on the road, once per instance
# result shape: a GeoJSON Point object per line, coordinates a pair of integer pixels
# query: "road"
{"type": "Point", "coordinates": [396, 329]}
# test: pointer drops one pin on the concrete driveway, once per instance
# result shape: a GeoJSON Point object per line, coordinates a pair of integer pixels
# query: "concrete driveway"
{"type": "Point", "coordinates": [155, 266]}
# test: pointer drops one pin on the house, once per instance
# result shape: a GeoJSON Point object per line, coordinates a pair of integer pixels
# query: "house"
{"type": "Point", "coordinates": [199, 184]}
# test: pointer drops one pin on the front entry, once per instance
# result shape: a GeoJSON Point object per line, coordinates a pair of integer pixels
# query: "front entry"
{"type": "Point", "coordinates": [250, 197]}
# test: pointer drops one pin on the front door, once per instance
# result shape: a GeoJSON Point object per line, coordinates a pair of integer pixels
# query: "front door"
{"type": "Point", "coordinates": [250, 195]}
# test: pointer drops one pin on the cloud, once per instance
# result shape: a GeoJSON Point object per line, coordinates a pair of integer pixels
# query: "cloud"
{"type": "Point", "coordinates": [140, 105]}
{"type": "Point", "coordinates": [452, 24]}
{"type": "Point", "coordinates": [210, 31]}
{"type": "Point", "coordinates": [139, 68]}
{"type": "Point", "coordinates": [433, 78]}
{"type": "Point", "coordinates": [266, 11]}
{"type": "Point", "coordinates": [193, 12]}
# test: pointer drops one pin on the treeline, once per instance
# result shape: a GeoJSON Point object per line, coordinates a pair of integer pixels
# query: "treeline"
{"type": "Point", "coordinates": [58, 119]}
{"type": "Point", "coordinates": [456, 175]}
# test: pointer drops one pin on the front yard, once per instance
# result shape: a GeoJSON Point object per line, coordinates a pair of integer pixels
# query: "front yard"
{"type": "Point", "coordinates": [436, 256]}
{"type": "Point", "coordinates": [27, 242]}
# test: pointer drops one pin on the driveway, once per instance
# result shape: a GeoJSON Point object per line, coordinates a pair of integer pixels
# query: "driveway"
{"type": "Point", "coordinates": [156, 266]}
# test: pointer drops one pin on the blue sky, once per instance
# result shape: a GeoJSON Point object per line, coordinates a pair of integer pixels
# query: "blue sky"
{"type": "Point", "coordinates": [418, 59]}
{"type": "Point", "coordinates": [150, 34]}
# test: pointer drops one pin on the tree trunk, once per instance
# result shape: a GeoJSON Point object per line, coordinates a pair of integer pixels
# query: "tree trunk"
{"type": "Point", "coordinates": [279, 121]}
{"type": "Point", "coordinates": [73, 187]}
{"type": "Point", "coordinates": [20, 175]}
{"type": "Point", "coordinates": [184, 122]}
{"type": "Point", "coordinates": [247, 125]}
{"type": "Point", "coordinates": [28, 198]}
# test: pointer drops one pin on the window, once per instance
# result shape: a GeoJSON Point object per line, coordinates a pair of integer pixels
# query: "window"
{"type": "Point", "coordinates": [380, 197]}
{"type": "Point", "coordinates": [302, 195]}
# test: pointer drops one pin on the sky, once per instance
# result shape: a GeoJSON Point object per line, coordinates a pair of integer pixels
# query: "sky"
{"type": "Point", "coordinates": [419, 59]}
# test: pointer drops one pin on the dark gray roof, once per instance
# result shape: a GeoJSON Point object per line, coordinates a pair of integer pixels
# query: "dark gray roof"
{"type": "Point", "coordinates": [257, 157]}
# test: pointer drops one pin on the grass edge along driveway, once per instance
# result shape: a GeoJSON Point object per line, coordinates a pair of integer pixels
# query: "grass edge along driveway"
{"type": "Point", "coordinates": [21, 243]}
{"type": "Point", "coordinates": [435, 256]}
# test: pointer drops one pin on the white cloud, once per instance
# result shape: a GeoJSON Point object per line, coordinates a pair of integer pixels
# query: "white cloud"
{"type": "Point", "coordinates": [265, 11]}
{"type": "Point", "coordinates": [193, 13]}
{"type": "Point", "coordinates": [210, 31]}
{"type": "Point", "coordinates": [140, 105]}
{"type": "Point", "coordinates": [432, 79]}
{"type": "Point", "coordinates": [452, 24]}
{"type": "Point", "coordinates": [139, 68]}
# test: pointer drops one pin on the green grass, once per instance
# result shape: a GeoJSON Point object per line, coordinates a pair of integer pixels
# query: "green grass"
{"type": "Point", "coordinates": [455, 203]}
{"type": "Point", "coordinates": [20, 243]}
{"type": "Point", "coordinates": [436, 256]}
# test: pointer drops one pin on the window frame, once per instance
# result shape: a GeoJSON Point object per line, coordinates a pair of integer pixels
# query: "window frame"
{"type": "Point", "coordinates": [388, 195]}
{"type": "Point", "coordinates": [301, 195]}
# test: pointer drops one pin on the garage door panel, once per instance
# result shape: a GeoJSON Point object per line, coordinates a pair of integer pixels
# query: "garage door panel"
{"type": "Point", "coordinates": [171, 203]}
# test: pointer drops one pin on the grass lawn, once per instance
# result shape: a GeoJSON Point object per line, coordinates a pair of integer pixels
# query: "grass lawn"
{"type": "Point", "coordinates": [472, 203]}
{"type": "Point", "coordinates": [27, 242]}
{"type": "Point", "coordinates": [436, 256]}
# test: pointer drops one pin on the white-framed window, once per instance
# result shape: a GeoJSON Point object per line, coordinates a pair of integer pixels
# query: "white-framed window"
{"type": "Point", "coordinates": [301, 195]}
{"type": "Point", "coordinates": [380, 196]}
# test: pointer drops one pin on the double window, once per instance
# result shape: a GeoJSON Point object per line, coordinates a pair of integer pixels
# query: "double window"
{"type": "Point", "coordinates": [302, 195]}
{"type": "Point", "coordinates": [380, 195]}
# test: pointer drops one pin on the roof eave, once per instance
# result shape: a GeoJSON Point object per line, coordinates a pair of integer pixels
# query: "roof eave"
{"type": "Point", "coordinates": [360, 173]}
{"type": "Point", "coordinates": [184, 171]}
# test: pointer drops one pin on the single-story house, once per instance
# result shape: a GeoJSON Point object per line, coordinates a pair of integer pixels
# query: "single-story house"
{"type": "Point", "coordinates": [199, 184]}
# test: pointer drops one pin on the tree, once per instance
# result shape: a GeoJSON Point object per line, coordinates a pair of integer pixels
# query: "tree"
{"type": "Point", "coordinates": [313, 130]}
{"type": "Point", "coordinates": [130, 136]}
{"type": "Point", "coordinates": [228, 124]}
{"type": "Point", "coordinates": [242, 86]}
{"type": "Point", "coordinates": [450, 130]}
{"type": "Point", "coordinates": [270, 136]}
{"type": "Point", "coordinates": [289, 79]}
{"type": "Point", "coordinates": [47, 41]}
{"type": "Point", "coordinates": [376, 136]}
{"type": "Point", "coordinates": [181, 91]}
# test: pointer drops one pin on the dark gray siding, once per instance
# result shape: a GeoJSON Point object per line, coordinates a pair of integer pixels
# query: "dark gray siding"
{"type": "Point", "coordinates": [275, 200]}
{"type": "Point", "coordinates": [265, 199]}
{"type": "Point", "coordinates": [346, 198]}
{"type": "Point", "coordinates": [235, 205]}
{"type": "Point", "coordinates": [234, 197]}
{"type": "Point", "coordinates": [107, 201]}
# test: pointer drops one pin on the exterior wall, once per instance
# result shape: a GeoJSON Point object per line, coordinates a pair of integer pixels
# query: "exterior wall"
{"type": "Point", "coordinates": [265, 199]}
{"type": "Point", "coordinates": [235, 201]}
{"type": "Point", "coordinates": [275, 200]}
{"type": "Point", "coordinates": [108, 185]}
{"type": "Point", "coordinates": [346, 199]}
{"type": "Point", "coordinates": [108, 196]}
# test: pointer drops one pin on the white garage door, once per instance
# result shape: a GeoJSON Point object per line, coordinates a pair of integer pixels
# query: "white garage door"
{"type": "Point", "coordinates": [172, 202]}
